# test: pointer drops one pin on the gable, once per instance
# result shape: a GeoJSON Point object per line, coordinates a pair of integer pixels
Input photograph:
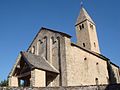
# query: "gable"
{"type": "Point", "coordinates": [27, 61]}
{"type": "Point", "coordinates": [21, 66]}
{"type": "Point", "coordinates": [44, 32]}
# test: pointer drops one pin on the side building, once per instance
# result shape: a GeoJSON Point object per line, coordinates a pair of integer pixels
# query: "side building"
{"type": "Point", "coordinates": [53, 60]}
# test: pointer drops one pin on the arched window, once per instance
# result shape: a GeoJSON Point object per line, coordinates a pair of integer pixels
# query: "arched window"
{"type": "Point", "coordinates": [94, 44]}
{"type": "Point", "coordinates": [96, 80]}
{"type": "Point", "coordinates": [82, 25]}
{"type": "Point", "coordinates": [85, 58]}
{"type": "Point", "coordinates": [97, 63]}
{"type": "Point", "coordinates": [91, 26]}
{"type": "Point", "coordinates": [83, 44]}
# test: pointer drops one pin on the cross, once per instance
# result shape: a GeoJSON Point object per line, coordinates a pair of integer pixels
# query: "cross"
{"type": "Point", "coordinates": [81, 3]}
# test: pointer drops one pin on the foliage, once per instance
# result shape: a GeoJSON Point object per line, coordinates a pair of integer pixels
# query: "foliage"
{"type": "Point", "coordinates": [4, 83]}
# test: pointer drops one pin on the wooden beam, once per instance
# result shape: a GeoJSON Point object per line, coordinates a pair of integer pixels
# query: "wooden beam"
{"type": "Point", "coordinates": [24, 74]}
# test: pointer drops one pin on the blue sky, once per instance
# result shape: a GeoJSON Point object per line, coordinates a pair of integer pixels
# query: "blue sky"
{"type": "Point", "coordinates": [20, 20]}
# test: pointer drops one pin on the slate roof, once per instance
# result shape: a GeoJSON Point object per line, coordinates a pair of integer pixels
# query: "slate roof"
{"type": "Point", "coordinates": [38, 62]}
{"type": "Point", "coordinates": [83, 16]}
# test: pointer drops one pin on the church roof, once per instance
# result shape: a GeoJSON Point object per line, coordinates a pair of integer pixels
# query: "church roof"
{"type": "Point", "coordinates": [38, 62]}
{"type": "Point", "coordinates": [83, 16]}
{"type": "Point", "coordinates": [62, 33]}
{"type": "Point", "coordinates": [94, 53]}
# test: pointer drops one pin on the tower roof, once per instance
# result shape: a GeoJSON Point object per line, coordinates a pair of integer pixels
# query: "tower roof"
{"type": "Point", "coordinates": [84, 16]}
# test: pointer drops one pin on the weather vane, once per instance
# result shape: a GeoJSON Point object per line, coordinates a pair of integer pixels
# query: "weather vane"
{"type": "Point", "coordinates": [81, 3]}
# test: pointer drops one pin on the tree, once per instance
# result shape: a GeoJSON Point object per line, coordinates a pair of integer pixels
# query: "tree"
{"type": "Point", "coordinates": [4, 83]}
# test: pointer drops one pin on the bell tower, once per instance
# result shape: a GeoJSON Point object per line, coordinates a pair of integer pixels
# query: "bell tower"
{"type": "Point", "coordinates": [86, 32]}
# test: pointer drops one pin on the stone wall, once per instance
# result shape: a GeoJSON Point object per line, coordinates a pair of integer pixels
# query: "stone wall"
{"type": "Point", "coordinates": [90, 87]}
{"type": "Point", "coordinates": [115, 76]}
{"type": "Point", "coordinates": [83, 68]}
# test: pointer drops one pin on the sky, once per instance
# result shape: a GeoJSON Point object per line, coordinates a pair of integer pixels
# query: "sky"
{"type": "Point", "coordinates": [20, 20]}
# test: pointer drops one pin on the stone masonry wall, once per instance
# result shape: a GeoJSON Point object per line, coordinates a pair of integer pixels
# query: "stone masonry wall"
{"type": "Point", "coordinates": [84, 68]}
{"type": "Point", "coordinates": [90, 87]}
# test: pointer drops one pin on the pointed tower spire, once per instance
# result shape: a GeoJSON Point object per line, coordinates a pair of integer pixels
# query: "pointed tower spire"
{"type": "Point", "coordinates": [86, 31]}
{"type": "Point", "coordinates": [83, 16]}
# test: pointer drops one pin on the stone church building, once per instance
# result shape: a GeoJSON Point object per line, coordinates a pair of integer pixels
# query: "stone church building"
{"type": "Point", "coordinates": [52, 60]}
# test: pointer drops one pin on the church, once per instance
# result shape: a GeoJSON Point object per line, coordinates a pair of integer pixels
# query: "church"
{"type": "Point", "coordinates": [52, 60]}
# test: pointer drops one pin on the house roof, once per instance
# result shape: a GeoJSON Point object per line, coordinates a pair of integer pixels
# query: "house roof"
{"type": "Point", "coordinates": [43, 28]}
{"type": "Point", "coordinates": [38, 62]}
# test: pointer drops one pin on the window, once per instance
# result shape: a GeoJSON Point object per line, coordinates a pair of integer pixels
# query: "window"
{"type": "Point", "coordinates": [97, 63]}
{"type": "Point", "coordinates": [96, 80]}
{"type": "Point", "coordinates": [40, 41]}
{"type": "Point", "coordinates": [85, 58]}
{"type": "Point", "coordinates": [83, 44]}
{"type": "Point", "coordinates": [91, 26]}
{"type": "Point", "coordinates": [94, 44]}
{"type": "Point", "coordinates": [81, 26]}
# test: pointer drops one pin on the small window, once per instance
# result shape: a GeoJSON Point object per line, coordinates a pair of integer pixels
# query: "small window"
{"type": "Point", "coordinates": [94, 44]}
{"type": "Point", "coordinates": [96, 80]}
{"type": "Point", "coordinates": [85, 58]}
{"type": "Point", "coordinates": [91, 26]}
{"type": "Point", "coordinates": [82, 25]}
{"type": "Point", "coordinates": [97, 63]}
{"type": "Point", "coordinates": [83, 44]}
{"type": "Point", "coordinates": [40, 41]}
